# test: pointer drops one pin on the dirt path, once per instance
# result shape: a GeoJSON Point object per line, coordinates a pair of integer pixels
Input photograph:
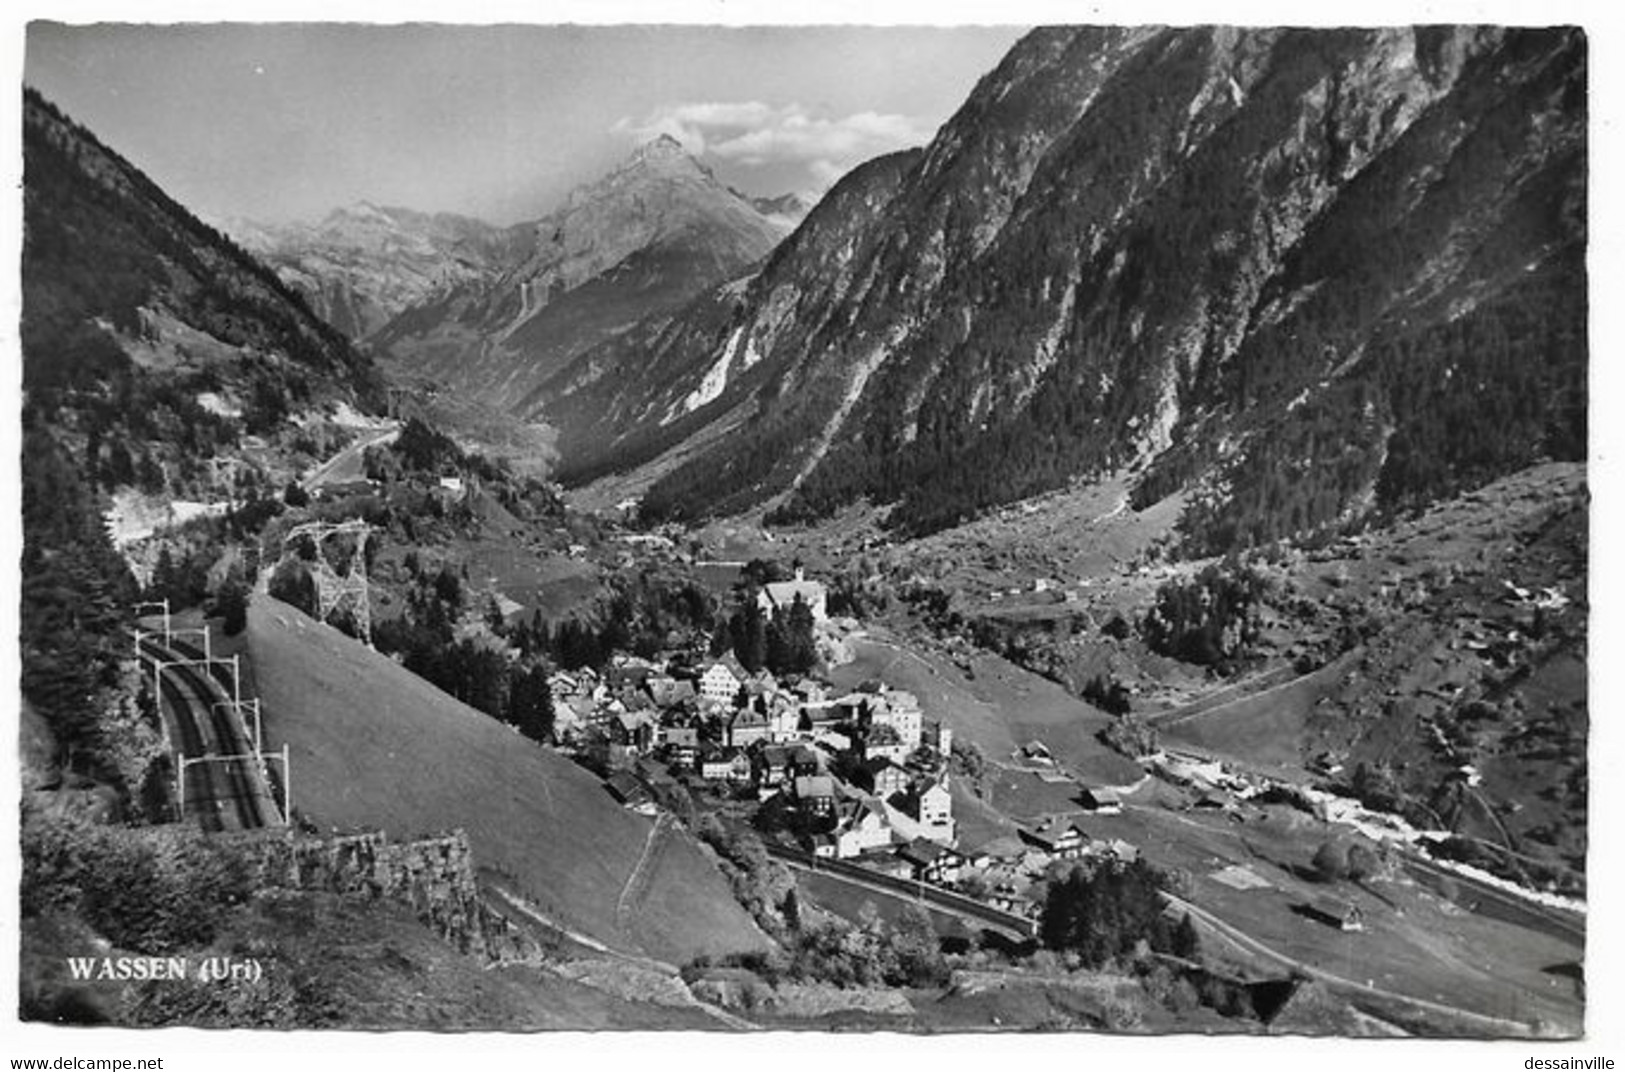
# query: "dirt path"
{"type": "Point", "coordinates": [637, 879]}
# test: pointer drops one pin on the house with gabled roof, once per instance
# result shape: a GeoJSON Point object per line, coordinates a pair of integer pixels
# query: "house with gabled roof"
{"type": "Point", "coordinates": [882, 777]}
{"type": "Point", "coordinates": [719, 684]}
{"type": "Point", "coordinates": [771, 765]}
{"type": "Point", "coordinates": [747, 726]}
{"type": "Point", "coordinates": [625, 788]}
{"type": "Point", "coordinates": [931, 861]}
{"type": "Point", "coordinates": [1057, 840]}
{"type": "Point", "coordinates": [1101, 801]}
{"type": "Point", "coordinates": [815, 793]}
{"type": "Point", "coordinates": [777, 597]}
{"type": "Point", "coordinates": [860, 827]}
{"type": "Point", "coordinates": [924, 812]}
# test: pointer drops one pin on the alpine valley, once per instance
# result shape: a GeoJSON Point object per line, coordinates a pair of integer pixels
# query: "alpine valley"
{"type": "Point", "coordinates": [1121, 565]}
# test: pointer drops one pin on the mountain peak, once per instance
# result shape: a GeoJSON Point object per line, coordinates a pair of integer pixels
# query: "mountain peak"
{"type": "Point", "coordinates": [663, 145]}
{"type": "Point", "coordinates": [662, 151]}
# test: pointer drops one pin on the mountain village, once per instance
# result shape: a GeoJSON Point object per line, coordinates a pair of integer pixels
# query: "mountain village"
{"type": "Point", "coordinates": [1120, 565]}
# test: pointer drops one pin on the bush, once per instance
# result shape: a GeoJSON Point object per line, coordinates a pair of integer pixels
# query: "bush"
{"type": "Point", "coordinates": [1131, 737]}
{"type": "Point", "coordinates": [1362, 863]}
{"type": "Point", "coordinates": [149, 895]}
{"type": "Point", "coordinates": [1331, 862]}
{"type": "Point", "coordinates": [232, 605]}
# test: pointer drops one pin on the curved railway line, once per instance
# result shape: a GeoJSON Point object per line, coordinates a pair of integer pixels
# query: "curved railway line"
{"type": "Point", "coordinates": [226, 793]}
{"type": "Point", "coordinates": [271, 776]}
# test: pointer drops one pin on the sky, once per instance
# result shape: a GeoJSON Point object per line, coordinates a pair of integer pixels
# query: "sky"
{"type": "Point", "coordinates": [274, 122]}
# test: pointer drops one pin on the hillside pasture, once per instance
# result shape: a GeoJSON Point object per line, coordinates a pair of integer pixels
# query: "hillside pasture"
{"type": "Point", "coordinates": [375, 747]}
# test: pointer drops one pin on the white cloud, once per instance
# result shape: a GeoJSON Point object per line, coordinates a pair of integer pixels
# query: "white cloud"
{"type": "Point", "coordinates": [755, 134]}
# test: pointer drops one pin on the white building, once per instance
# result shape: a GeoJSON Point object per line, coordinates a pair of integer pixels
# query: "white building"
{"type": "Point", "coordinates": [901, 711]}
{"type": "Point", "coordinates": [926, 813]}
{"type": "Point", "coordinates": [865, 828]}
{"type": "Point", "coordinates": [780, 595]}
{"type": "Point", "coordinates": [719, 684]}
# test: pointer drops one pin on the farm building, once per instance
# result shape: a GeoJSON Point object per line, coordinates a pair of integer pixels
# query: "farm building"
{"type": "Point", "coordinates": [1335, 913]}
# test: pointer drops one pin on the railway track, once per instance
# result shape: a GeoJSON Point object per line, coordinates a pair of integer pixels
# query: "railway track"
{"type": "Point", "coordinates": [229, 793]}
{"type": "Point", "coordinates": [271, 776]}
{"type": "Point", "coordinates": [969, 910]}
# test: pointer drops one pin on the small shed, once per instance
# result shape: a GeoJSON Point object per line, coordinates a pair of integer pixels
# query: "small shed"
{"type": "Point", "coordinates": [1335, 913]}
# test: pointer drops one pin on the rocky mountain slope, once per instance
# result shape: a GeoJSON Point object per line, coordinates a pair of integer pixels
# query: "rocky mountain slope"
{"type": "Point", "coordinates": [1298, 273]}
{"type": "Point", "coordinates": [643, 239]}
{"type": "Point", "coordinates": [361, 266]}
{"type": "Point", "coordinates": [786, 209]}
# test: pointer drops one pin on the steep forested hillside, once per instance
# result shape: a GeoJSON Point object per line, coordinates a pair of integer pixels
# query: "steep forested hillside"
{"type": "Point", "coordinates": [150, 344]}
{"type": "Point", "coordinates": [1303, 272]}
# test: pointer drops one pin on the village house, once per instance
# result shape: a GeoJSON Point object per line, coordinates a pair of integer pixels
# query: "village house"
{"type": "Point", "coordinates": [818, 717]}
{"type": "Point", "coordinates": [885, 862]}
{"type": "Point", "coordinates": [939, 736]}
{"type": "Point", "coordinates": [832, 742]}
{"type": "Point", "coordinates": [930, 861]}
{"type": "Point", "coordinates": [724, 765]}
{"type": "Point", "coordinates": [854, 707]}
{"type": "Point", "coordinates": [1116, 848]}
{"type": "Point", "coordinates": [778, 596]}
{"type": "Point", "coordinates": [771, 766]}
{"type": "Point", "coordinates": [1335, 913]}
{"type": "Point", "coordinates": [668, 692]}
{"type": "Point", "coordinates": [822, 846]}
{"type": "Point", "coordinates": [861, 826]}
{"type": "Point", "coordinates": [901, 711]}
{"type": "Point", "coordinates": [1037, 752]}
{"type": "Point", "coordinates": [783, 719]}
{"type": "Point", "coordinates": [882, 742]}
{"type": "Point", "coordinates": [809, 691]}
{"type": "Point", "coordinates": [720, 682]}
{"type": "Point", "coordinates": [633, 729]}
{"type": "Point", "coordinates": [760, 684]}
{"type": "Point", "coordinates": [1101, 801]}
{"type": "Point", "coordinates": [626, 789]}
{"type": "Point", "coordinates": [1056, 841]}
{"type": "Point", "coordinates": [815, 793]}
{"type": "Point", "coordinates": [924, 813]}
{"type": "Point", "coordinates": [882, 777]}
{"type": "Point", "coordinates": [805, 760]}
{"type": "Point", "coordinates": [747, 726]}
{"type": "Point", "coordinates": [680, 736]}
{"type": "Point", "coordinates": [682, 744]}
{"type": "Point", "coordinates": [563, 685]}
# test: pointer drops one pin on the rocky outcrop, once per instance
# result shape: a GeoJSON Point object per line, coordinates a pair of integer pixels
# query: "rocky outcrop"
{"type": "Point", "coordinates": [433, 876]}
{"type": "Point", "coordinates": [363, 265]}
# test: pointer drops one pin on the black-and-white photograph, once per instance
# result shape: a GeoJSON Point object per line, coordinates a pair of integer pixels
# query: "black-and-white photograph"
{"type": "Point", "coordinates": [983, 527]}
